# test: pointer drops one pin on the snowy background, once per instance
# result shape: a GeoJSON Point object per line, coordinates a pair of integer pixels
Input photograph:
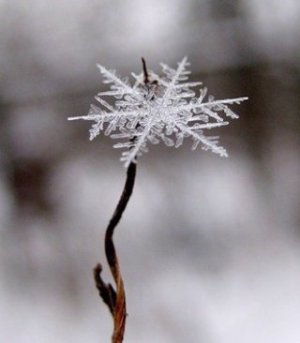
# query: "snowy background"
{"type": "Point", "coordinates": [210, 247]}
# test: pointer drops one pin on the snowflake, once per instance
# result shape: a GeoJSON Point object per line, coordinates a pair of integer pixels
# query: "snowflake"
{"type": "Point", "coordinates": [158, 108]}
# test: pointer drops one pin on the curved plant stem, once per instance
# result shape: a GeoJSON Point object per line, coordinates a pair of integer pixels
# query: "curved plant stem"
{"type": "Point", "coordinates": [115, 299]}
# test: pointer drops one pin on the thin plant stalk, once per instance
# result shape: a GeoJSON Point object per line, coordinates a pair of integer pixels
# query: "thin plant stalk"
{"type": "Point", "coordinates": [116, 299]}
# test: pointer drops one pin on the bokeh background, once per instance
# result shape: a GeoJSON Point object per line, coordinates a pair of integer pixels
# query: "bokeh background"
{"type": "Point", "coordinates": [209, 247]}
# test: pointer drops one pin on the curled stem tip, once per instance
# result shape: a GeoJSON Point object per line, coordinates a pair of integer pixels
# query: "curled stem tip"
{"type": "Point", "coordinates": [146, 75]}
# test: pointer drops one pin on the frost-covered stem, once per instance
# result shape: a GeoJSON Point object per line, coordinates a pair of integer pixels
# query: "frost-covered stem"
{"type": "Point", "coordinates": [116, 300]}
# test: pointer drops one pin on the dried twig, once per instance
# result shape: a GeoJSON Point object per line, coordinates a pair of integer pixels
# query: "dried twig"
{"type": "Point", "coordinates": [115, 299]}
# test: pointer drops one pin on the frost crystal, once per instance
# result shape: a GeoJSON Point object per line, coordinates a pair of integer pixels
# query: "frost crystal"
{"type": "Point", "coordinates": [165, 108]}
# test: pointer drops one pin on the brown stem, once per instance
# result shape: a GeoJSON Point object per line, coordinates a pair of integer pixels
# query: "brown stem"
{"type": "Point", "coordinates": [115, 299]}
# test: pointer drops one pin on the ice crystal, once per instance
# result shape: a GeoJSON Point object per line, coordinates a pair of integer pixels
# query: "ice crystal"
{"type": "Point", "coordinates": [164, 108]}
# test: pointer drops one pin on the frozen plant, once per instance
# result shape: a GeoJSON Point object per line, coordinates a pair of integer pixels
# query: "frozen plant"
{"type": "Point", "coordinates": [158, 108]}
{"type": "Point", "coordinates": [155, 108]}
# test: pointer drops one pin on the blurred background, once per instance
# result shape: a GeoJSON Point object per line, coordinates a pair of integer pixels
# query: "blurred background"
{"type": "Point", "coordinates": [209, 247]}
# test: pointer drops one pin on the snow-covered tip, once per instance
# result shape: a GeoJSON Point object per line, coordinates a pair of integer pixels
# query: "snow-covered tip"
{"type": "Point", "coordinates": [166, 108]}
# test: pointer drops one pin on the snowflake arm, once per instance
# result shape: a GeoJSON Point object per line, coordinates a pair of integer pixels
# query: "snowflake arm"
{"type": "Point", "coordinates": [175, 76]}
{"type": "Point", "coordinates": [165, 108]}
{"type": "Point", "coordinates": [208, 143]}
{"type": "Point", "coordinates": [119, 87]}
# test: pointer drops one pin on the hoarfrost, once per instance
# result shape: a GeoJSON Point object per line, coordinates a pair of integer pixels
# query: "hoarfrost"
{"type": "Point", "coordinates": [164, 109]}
